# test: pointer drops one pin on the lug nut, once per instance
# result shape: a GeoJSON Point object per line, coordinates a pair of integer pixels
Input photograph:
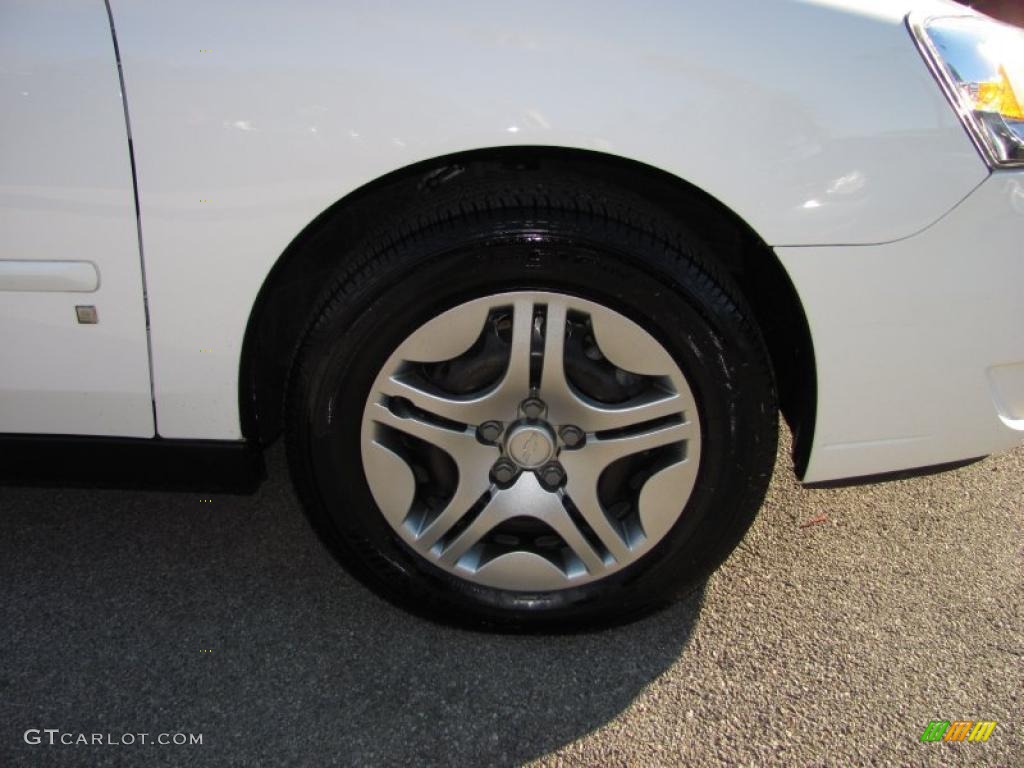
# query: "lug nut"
{"type": "Point", "coordinates": [572, 437]}
{"type": "Point", "coordinates": [552, 474]}
{"type": "Point", "coordinates": [489, 431]}
{"type": "Point", "coordinates": [504, 471]}
{"type": "Point", "coordinates": [533, 407]}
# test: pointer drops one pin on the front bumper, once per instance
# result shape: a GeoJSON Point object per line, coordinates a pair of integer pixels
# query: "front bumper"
{"type": "Point", "coordinates": [919, 343]}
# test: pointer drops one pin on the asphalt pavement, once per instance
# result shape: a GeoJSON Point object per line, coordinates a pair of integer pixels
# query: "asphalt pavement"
{"type": "Point", "coordinates": [846, 621]}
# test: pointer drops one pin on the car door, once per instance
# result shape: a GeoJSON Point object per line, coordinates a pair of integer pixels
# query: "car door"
{"type": "Point", "coordinates": [73, 338]}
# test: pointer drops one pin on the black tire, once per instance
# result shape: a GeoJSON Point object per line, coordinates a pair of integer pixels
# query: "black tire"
{"type": "Point", "coordinates": [532, 231]}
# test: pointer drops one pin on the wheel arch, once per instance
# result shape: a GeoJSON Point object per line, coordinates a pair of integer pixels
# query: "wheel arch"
{"type": "Point", "coordinates": [278, 316]}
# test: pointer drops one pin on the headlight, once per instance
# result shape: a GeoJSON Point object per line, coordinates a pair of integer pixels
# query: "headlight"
{"type": "Point", "coordinates": [980, 64]}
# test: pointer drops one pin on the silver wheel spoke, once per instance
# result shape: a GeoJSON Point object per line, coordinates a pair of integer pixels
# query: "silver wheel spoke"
{"type": "Point", "coordinates": [493, 514]}
{"type": "Point", "coordinates": [461, 445]}
{"type": "Point", "coordinates": [516, 382]}
{"type": "Point", "coordinates": [554, 388]}
{"type": "Point", "coordinates": [465, 497]}
{"type": "Point", "coordinates": [596, 418]}
{"type": "Point", "coordinates": [525, 499]}
{"type": "Point", "coordinates": [585, 466]}
{"type": "Point", "coordinates": [466, 411]}
{"type": "Point", "coordinates": [563, 525]}
{"type": "Point", "coordinates": [600, 452]}
{"type": "Point", "coordinates": [582, 493]}
{"type": "Point", "coordinates": [472, 460]}
{"type": "Point", "coordinates": [498, 402]}
{"type": "Point", "coordinates": [569, 406]}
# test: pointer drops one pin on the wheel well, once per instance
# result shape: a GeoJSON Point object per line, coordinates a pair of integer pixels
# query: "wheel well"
{"type": "Point", "coordinates": [280, 312]}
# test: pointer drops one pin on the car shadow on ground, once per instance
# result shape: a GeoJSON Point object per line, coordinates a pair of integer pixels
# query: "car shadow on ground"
{"type": "Point", "coordinates": [145, 612]}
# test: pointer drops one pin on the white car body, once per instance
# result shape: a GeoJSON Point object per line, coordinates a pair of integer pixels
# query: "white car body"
{"type": "Point", "coordinates": [816, 122]}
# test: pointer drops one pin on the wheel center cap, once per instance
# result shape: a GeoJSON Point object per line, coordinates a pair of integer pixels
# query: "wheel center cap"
{"type": "Point", "coordinates": [530, 445]}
